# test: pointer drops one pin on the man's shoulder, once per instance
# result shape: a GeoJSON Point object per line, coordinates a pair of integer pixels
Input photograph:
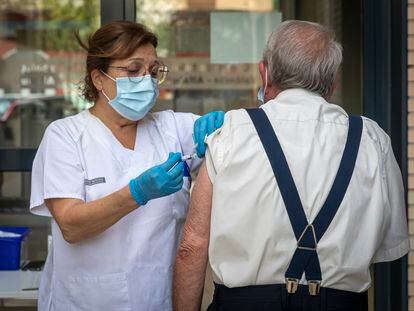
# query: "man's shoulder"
{"type": "Point", "coordinates": [237, 117]}
{"type": "Point", "coordinates": [377, 134]}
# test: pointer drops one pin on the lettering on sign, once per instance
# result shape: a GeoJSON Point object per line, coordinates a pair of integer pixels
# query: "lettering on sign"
{"type": "Point", "coordinates": [199, 74]}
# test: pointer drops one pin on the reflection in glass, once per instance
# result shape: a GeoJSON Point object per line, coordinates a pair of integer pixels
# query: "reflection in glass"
{"type": "Point", "coordinates": [41, 66]}
{"type": "Point", "coordinates": [194, 83]}
{"type": "Point", "coordinates": [184, 30]}
{"type": "Point", "coordinates": [41, 63]}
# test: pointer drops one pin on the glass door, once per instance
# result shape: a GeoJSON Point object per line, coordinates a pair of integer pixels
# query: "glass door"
{"type": "Point", "coordinates": [197, 40]}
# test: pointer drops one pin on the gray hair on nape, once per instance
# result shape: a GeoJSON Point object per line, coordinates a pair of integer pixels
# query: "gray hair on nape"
{"type": "Point", "coordinates": [302, 54]}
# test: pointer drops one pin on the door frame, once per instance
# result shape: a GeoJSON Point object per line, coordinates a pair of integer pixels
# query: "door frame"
{"type": "Point", "coordinates": [385, 100]}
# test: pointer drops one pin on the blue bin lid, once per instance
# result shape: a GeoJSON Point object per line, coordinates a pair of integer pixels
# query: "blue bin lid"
{"type": "Point", "coordinates": [24, 231]}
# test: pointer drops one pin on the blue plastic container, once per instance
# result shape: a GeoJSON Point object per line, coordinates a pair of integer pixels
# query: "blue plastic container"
{"type": "Point", "coordinates": [11, 248]}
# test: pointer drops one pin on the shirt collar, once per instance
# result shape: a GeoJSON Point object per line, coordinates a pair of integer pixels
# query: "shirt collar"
{"type": "Point", "coordinates": [299, 103]}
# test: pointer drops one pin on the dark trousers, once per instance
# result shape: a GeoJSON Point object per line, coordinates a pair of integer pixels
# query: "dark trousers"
{"type": "Point", "coordinates": [275, 297]}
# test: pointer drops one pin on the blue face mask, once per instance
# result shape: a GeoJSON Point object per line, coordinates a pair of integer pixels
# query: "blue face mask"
{"type": "Point", "coordinates": [135, 96]}
{"type": "Point", "coordinates": [261, 92]}
{"type": "Point", "coordinates": [260, 95]}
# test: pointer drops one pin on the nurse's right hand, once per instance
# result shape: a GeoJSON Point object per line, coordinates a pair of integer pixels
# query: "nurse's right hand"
{"type": "Point", "coordinates": [158, 181]}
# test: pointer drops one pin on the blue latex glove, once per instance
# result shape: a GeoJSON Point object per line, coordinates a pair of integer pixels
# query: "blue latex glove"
{"type": "Point", "coordinates": [203, 127]}
{"type": "Point", "coordinates": [158, 181]}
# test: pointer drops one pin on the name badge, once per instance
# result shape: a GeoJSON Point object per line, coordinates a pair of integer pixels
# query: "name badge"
{"type": "Point", "coordinates": [95, 181]}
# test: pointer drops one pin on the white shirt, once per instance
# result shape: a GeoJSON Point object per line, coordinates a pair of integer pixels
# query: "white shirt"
{"type": "Point", "coordinates": [129, 266]}
{"type": "Point", "coordinates": [252, 241]}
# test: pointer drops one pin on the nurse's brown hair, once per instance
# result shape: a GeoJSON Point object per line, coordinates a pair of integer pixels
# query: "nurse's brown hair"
{"type": "Point", "coordinates": [115, 40]}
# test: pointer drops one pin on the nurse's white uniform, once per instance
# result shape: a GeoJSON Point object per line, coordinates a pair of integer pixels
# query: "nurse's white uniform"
{"type": "Point", "coordinates": [129, 266]}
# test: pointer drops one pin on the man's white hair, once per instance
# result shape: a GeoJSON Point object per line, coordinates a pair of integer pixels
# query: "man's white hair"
{"type": "Point", "coordinates": [304, 55]}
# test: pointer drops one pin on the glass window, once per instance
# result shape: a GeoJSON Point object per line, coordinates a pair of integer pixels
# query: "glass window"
{"type": "Point", "coordinates": [41, 66]}
{"type": "Point", "coordinates": [197, 84]}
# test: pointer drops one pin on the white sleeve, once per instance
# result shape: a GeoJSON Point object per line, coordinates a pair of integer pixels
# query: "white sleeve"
{"type": "Point", "coordinates": [218, 146]}
{"type": "Point", "coordinates": [395, 242]}
{"type": "Point", "coordinates": [57, 171]}
{"type": "Point", "coordinates": [211, 156]}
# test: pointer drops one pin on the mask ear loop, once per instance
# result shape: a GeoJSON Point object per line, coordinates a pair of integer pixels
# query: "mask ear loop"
{"type": "Point", "coordinates": [107, 75]}
{"type": "Point", "coordinates": [106, 96]}
{"type": "Point", "coordinates": [103, 92]}
{"type": "Point", "coordinates": [264, 89]}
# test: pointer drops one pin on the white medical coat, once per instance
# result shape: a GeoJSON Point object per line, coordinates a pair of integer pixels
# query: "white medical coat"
{"type": "Point", "coordinates": [129, 266]}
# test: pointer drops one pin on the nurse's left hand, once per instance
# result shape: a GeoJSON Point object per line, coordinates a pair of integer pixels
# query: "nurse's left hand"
{"type": "Point", "coordinates": [203, 127]}
{"type": "Point", "coordinates": [158, 181]}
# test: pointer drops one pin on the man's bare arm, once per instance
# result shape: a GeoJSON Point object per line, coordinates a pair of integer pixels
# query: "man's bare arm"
{"type": "Point", "coordinates": [192, 255]}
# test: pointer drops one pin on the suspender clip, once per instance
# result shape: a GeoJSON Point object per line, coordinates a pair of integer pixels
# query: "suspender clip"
{"type": "Point", "coordinates": [314, 287]}
{"type": "Point", "coordinates": [292, 285]}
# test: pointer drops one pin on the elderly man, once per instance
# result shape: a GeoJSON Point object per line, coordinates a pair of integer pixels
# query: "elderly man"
{"type": "Point", "coordinates": [296, 199]}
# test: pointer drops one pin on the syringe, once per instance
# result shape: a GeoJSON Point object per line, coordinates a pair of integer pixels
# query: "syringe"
{"type": "Point", "coordinates": [188, 157]}
{"type": "Point", "coordinates": [184, 158]}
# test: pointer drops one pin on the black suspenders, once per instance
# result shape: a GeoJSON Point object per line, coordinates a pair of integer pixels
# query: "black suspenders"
{"type": "Point", "coordinates": [305, 259]}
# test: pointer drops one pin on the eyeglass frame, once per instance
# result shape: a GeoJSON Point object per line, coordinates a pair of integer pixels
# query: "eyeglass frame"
{"type": "Point", "coordinates": [161, 65]}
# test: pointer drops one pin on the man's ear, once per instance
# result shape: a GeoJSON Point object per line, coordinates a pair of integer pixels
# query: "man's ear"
{"type": "Point", "coordinates": [262, 71]}
{"type": "Point", "coordinates": [272, 90]}
{"type": "Point", "coordinates": [96, 77]}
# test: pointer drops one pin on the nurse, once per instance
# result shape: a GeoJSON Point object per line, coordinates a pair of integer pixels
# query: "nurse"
{"type": "Point", "coordinates": [112, 179]}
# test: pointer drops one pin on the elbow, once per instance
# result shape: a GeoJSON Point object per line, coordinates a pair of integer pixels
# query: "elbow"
{"type": "Point", "coordinates": [70, 232]}
{"type": "Point", "coordinates": [69, 237]}
{"type": "Point", "coordinates": [191, 250]}
{"type": "Point", "coordinates": [71, 218]}
{"type": "Point", "coordinates": [184, 253]}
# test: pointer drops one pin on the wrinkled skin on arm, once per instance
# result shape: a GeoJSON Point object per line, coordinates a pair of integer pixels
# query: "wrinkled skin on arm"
{"type": "Point", "coordinates": [192, 255]}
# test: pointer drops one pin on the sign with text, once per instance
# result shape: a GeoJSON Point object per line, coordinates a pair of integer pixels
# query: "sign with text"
{"type": "Point", "coordinates": [199, 74]}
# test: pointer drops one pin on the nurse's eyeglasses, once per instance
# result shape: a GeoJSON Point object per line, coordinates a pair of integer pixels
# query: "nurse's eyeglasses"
{"type": "Point", "coordinates": [156, 69]}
